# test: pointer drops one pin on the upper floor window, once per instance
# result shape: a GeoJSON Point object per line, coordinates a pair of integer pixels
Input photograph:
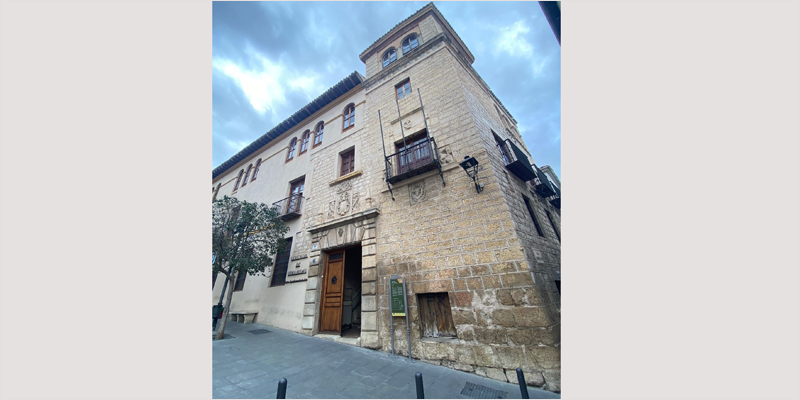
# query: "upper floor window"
{"type": "Point", "coordinates": [255, 171]}
{"type": "Point", "coordinates": [389, 57]}
{"type": "Point", "coordinates": [502, 147]}
{"type": "Point", "coordinates": [348, 162]}
{"type": "Point", "coordinates": [216, 191]}
{"type": "Point", "coordinates": [349, 116]}
{"type": "Point", "coordinates": [304, 141]}
{"type": "Point", "coordinates": [238, 180]}
{"type": "Point", "coordinates": [403, 89]}
{"type": "Point", "coordinates": [410, 43]}
{"type": "Point", "coordinates": [533, 216]}
{"type": "Point", "coordinates": [247, 174]}
{"type": "Point", "coordinates": [292, 147]}
{"type": "Point", "coordinates": [318, 134]}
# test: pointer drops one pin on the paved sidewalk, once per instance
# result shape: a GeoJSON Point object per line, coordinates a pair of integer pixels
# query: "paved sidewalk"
{"type": "Point", "coordinates": [249, 365]}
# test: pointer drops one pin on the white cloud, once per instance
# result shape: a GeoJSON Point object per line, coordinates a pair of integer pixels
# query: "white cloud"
{"type": "Point", "coordinates": [309, 84]}
{"type": "Point", "coordinates": [261, 87]}
{"type": "Point", "coordinates": [512, 41]}
{"type": "Point", "coordinates": [236, 146]}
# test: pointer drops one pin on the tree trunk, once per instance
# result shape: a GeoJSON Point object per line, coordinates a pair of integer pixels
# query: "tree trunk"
{"type": "Point", "coordinates": [227, 306]}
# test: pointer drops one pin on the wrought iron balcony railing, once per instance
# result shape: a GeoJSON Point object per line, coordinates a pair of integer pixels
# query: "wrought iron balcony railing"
{"type": "Point", "coordinates": [290, 207]}
{"type": "Point", "coordinates": [414, 160]}
{"type": "Point", "coordinates": [555, 199]}
{"type": "Point", "coordinates": [516, 161]}
{"type": "Point", "coordinates": [542, 185]}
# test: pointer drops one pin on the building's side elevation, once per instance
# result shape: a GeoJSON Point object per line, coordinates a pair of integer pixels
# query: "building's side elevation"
{"type": "Point", "coordinates": [388, 197]}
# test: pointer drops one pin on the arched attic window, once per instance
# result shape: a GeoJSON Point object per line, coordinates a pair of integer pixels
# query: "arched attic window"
{"type": "Point", "coordinates": [318, 131]}
{"type": "Point", "coordinates": [304, 141]}
{"type": "Point", "coordinates": [410, 43]}
{"type": "Point", "coordinates": [238, 180]}
{"type": "Point", "coordinates": [349, 116]}
{"type": "Point", "coordinates": [292, 147]}
{"type": "Point", "coordinates": [389, 56]}
{"type": "Point", "coordinates": [247, 174]}
{"type": "Point", "coordinates": [255, 171]}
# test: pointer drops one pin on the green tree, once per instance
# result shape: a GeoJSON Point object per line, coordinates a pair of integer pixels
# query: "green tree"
{"type": "Point", "coordinates": [244, 236]}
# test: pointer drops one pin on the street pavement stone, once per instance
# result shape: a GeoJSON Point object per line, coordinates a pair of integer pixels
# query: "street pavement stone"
{"type": "Point", "coordinates": [248, 366]}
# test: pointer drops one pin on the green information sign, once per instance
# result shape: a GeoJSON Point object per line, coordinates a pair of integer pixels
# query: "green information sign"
{"type": "Point", "coordinates": [397, 290]}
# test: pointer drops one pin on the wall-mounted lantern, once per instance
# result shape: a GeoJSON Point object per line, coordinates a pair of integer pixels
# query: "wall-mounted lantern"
{"type": "Point", "coordinates": [470, 165]}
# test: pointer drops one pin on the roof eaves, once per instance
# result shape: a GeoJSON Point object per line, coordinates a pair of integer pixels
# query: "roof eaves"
{"type": "Point", "coordinates": [342, 87]}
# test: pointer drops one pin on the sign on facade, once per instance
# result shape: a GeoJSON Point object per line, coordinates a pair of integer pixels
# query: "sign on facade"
{"type": "Point", "coordinates": [398, 297]}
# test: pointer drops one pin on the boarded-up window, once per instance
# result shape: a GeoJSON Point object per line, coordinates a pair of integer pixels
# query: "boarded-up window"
{"type": "Point", "coordinates": [436, 319]}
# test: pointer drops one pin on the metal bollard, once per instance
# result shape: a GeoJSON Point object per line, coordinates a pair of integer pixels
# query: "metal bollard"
{"type": "Point", "coordinates": [523, 388]}
{"type": "Point", "coordinates": [420, 389]}
{"type": "Point", "coordinates": [281, 389]}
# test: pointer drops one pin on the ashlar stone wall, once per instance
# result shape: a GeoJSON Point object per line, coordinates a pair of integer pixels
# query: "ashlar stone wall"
{"type": "Point", "coordinates": [448, 238]}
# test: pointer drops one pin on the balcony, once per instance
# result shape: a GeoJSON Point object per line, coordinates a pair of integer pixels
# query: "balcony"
{"type": "Point", "coordinates": [414, 160]}
{"type": "Point", "coordinates": [290, 207]}
{"type": "Point", "coordinates": [542, 185]}
{"type": "Point", "coordinates": [555, 200]}
{"type": "Point", "coordinates": [516, 161]}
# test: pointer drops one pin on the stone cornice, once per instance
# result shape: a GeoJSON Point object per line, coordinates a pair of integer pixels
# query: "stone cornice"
{"type": "Point", "coordinates": [359, 216]}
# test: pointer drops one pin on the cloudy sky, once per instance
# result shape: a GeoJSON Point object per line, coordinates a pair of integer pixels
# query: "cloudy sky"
{"type": "Point", "coordinates": [272, 58]}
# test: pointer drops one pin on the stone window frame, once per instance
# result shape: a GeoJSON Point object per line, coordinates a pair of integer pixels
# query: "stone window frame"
{"type": "Point", "coordinates": [274, 280]}
{"type": "Point", "coordinates": [350, 151]}
{"type": "Point", "coordinates": [247, 175]}
{"type": "Point", "coordinates": [386, 56]}
{"type": "Point", "coordinates": [349, 121]}
{"type": "Point", "coordinates": [534, 218]}
{"type": "Point", "coordinates": [304, 141]}
{"type": "Point", "coordinates": [238, 180]}
{"type": "Point", "coordinates": [291, 149]}
{"type": "Point", "coordinates": [255, 171]}
{"type": "Point", "coordinates": [319, 131]}
{"type": "Point", "coordinates": [553, 224]}
{"type": "Point", "coordinates": [402, 84]}
{"type": "Point", "coordinates": [412, 35]}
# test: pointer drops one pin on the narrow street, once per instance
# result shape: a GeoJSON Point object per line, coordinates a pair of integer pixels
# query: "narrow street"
{"type": "Point", "coordinates": [249, 363]}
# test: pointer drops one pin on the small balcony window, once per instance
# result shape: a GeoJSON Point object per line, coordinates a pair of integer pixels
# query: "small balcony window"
{"type": "Point", "coordinates": [403, 89]}
{"type": "Point", "coordinates": [419, 154]}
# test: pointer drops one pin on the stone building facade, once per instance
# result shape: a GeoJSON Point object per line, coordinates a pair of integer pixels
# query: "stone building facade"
{"type": "Point", "coordinates": [489, 254]}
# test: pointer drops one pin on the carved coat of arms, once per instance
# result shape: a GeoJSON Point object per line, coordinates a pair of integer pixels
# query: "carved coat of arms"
{"type": "Point", "coordinates": [343, 206]}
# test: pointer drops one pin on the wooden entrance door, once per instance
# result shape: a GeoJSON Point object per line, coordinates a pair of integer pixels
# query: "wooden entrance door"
{"type": "Point", "coordinates": [332, 292]}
